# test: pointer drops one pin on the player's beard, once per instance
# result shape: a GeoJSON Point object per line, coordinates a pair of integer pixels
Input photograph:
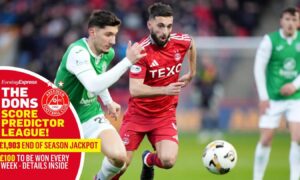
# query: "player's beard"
{"type": "Point", "coordinates": [158, 42]}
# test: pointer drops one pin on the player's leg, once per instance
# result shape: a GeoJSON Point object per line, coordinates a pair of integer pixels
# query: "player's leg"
{"type": "Point", "coordinates": [115, 154]}
{"type": "Point", "coordinates": [295, 151]}
{"type": "Point", "coordinates": [165, 141]}
{"type": "Point", "coordinates": [164, 157]}
{"type": "Point", "coordinates": [294, 126]}
{"type": "Point", "coordinates": [111, 144]}
{"type": "Point", "coordinates": [127, 163]}
{"type": "Point", "coordinates": [262, 153]}
{"type": "Point", "coordinates": [132, 140]}
{"type": "Point", "coordinates": [167, 153]}
{"type": "Point", "coordinates": [267, 124]}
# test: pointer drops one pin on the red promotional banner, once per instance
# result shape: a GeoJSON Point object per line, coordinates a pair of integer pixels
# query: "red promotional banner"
{"type": "Point", "coordinates": [37, 129]}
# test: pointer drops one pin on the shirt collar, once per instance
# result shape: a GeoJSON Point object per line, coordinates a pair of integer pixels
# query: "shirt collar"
{"type": "Point", "coordinates": [90, 51]}
{"type": "Point", "coordinates": [288, 38]}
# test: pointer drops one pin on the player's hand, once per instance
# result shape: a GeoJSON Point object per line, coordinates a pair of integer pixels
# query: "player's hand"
{"type": "Point", "coordinates": [114, 109]}
{"type": "Point", "coordinates": [186, 78]}
{"type": "Point", "coordinates": [263, 106]}
{"type": "Point", "coordinates": [174, 88]}
{"type": "Point", "coordinates": [134, 52]}
{"type": "Point", "coordinates": [288, 89]}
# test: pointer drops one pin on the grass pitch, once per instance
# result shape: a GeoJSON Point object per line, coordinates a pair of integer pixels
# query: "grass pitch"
{"type": "Point", "coordinates": [189, 163]}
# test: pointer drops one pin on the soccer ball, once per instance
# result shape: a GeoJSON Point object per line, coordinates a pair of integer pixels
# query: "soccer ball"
{"type": "Point", "coordinates": [219, 157]}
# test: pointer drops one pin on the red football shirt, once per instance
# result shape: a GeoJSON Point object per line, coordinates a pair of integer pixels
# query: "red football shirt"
{"type": "Point", "coordinates": [160, 67]}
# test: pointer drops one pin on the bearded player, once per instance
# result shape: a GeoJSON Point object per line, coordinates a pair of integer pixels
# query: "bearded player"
{"type": "Point", "coordinates": [154, 89]}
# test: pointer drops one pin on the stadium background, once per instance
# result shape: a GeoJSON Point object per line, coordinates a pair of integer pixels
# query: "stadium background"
{"type": "Point", "coordinates": [35, 33]}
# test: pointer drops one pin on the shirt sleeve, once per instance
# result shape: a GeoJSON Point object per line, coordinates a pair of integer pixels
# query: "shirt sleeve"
{"type": "Point", "coordinates": [189, 40]}
{"type": "Point", "coordinates": [296, 82]}
{"type": "Point", "coordinates": [105, 97]}
{"type": "Point", "coordinates": [96, 83]}
{"type": "Point", "coordinates": [182, 40]}
{"type": "Point", "coordinates": [138, 70]}
{"type": "Point", "coordinates": [262, 58]}
{"type": "Point", "coordinates": [78, 60]}
{"type": "Point", "coordinates": [78, 63]}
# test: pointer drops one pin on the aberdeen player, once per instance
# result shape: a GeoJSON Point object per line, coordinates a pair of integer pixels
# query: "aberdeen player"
{"type": "Point", "coordinates": [154, 88]}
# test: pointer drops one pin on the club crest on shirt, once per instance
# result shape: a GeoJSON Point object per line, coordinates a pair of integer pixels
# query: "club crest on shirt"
{"type": "Point", "coordinates": [135, 69]}
{"type": "Point", "coordinates": [125, 139]}
{"type": "Point", "coordinates": [177, 55]}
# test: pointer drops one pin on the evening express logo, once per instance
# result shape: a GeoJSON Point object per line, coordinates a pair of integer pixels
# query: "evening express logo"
{"type": "Point", "coordinates": [40, 136]}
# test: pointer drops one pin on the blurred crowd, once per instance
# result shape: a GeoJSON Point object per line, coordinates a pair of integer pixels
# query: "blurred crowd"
{"type": "Point", "coordinates": [47, 27]}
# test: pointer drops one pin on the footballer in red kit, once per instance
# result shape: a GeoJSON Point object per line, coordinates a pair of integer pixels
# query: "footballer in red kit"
{"type": "Point", "coordinates": [160, 68]}
{"type": "Point", "coordinates": [154, 86]}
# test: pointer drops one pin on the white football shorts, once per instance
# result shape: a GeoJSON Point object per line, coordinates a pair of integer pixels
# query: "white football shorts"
{"type": "Point", "coordinates": [288, 108]}
{"type": "Point", "coordinates": [94, 126]}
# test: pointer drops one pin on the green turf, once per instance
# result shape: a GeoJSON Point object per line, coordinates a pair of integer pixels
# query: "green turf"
{"type": "Point", "coordinates": [189, 163]}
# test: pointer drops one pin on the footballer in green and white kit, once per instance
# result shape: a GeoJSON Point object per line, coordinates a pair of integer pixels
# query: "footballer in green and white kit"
{"type": "Point", "coordinates": [277, 77]}
{"type": "Point", "coordinates": [82, 75]}
{"type": "Point", "coordinates": [279, 56]}
{"type": "Point", "coordinates": [78, 59]}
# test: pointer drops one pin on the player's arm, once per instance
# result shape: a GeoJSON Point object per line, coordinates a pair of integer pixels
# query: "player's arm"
{"type": "Point", "coordinates": [290, 88]}
{"type": "Point", "coordinates": [113, 108]}
{"type": "Point", "coordinates": [105, 97]}
{"type": "Point", "coordinates": [296, 82]}
{"type": "Point", "coordinates": [78, 63]}
{"type": "Point", "coordinates": [262, 58]}
{"type": "Point", "coordinates": [192, 55]}
{"type": "Point", "coordinates": [137, 88]}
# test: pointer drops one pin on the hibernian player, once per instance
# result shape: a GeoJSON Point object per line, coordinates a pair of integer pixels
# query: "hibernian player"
{"type": "Point", "coordinates": [82, 76]}
{"type": "Point", "coordinates": [277, 69]}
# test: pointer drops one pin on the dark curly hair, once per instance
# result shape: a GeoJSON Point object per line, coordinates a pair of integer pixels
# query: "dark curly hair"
{"type": "Point", "coordinates": [160, 9]}
{"type": "Point", "coordinates": [289, 10]}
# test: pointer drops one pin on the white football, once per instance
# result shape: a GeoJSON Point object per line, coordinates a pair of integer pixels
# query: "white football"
{"type": "Point", "coordinates": [219, 157]}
